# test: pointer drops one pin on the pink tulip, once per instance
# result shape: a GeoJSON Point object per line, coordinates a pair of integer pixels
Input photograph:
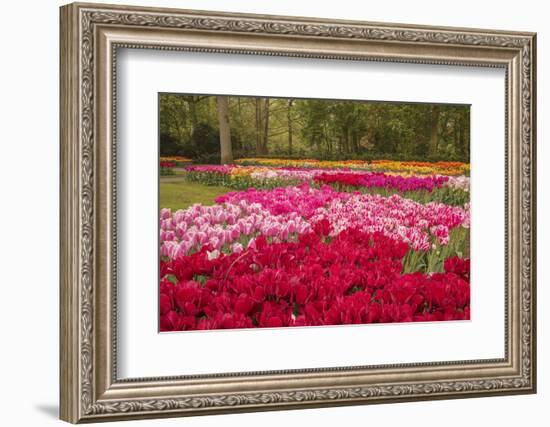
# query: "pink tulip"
{"type": "Point", "coordinates": [237, 248]}
{"type": "Point", "coordinates": [165, 213]}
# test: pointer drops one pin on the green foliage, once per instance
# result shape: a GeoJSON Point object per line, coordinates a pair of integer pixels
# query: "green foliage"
{"type": "Point", "coordinates": [432, 261]}
{"type": "Point", "coordinates": [167, 172]}
{"type": "Point", "coordinates": [205, 139]}
{"type": "Point", "coordinates": [170, 145]}
{"type": "Point", "coordinates": [314, 128]}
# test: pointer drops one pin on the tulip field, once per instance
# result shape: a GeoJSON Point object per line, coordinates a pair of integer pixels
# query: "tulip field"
{"type": "Point", "coordinates": [310, 243]}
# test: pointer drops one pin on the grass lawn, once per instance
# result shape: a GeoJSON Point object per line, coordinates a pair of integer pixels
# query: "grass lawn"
{"type": "Point", "coordinates": [181, 195]}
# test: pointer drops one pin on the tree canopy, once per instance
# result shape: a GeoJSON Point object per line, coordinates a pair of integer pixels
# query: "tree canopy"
{"type": "Point", "coordinates": [314, 128]}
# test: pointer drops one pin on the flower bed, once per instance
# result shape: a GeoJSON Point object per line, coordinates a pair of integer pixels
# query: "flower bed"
{"type": "Point", "coordinates": [352, 278]}
{"type": "Point", "coordinates": [309, 243]}
{"type": "Point", "coordinates": [430, 168]}
{"type": "Point", "coordinates": [303, 256]}
{"type": "Point", "coordinates": [423, 188]}
{"type": "Point", "coordinates": [178, 161]}
{"type": "Point", "coordinates": [167, 168]}
{"type": "Point", "coordinates": [442, 168]}
{"type": "Point", "coordinates": [226, 228]}
{"type": "Point", "coordinates": [381, 180]}
{"type": "Point", "coordinates": [398, 217]}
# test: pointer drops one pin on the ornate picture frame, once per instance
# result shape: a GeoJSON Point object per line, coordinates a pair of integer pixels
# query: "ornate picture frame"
{"type": "Point", "coordinates": [90, 37]}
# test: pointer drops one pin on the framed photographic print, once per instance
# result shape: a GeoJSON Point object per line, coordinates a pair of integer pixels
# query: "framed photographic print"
{"type": "Point", "coordinates": [265, 212]}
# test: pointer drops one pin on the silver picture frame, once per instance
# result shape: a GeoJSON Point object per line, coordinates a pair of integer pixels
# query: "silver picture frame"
{"type": "Point", "coordinates": [90, 37]}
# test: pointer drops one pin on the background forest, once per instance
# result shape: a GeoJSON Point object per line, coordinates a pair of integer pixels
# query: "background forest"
{"type": "Point", "coordinates": [196, 126]}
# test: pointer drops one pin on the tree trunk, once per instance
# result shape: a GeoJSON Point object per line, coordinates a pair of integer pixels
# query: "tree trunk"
{"type": "Point", "coordinates": [344, 140]}
{"type": "Point", "coordinates": [193, 113]}
{"type": "Point", "coordinates": [258, 126]}
{"type": "Point", "coordinates": [434, 129]}
{"type": "Point", "coordinates": [225, 130]}
{"type": "Point", "coordinates": [465, 135]}
{"type": "Point", "coordinates": [355, 140]}
{"type": "Point", "coordinates": [459, 136]}
{"type": "Point", "coordinates": [266, 127]}
{"type": "Point", "coordinates": [289, 119]}
{"type": "Point", "coordinates": [328, 140]}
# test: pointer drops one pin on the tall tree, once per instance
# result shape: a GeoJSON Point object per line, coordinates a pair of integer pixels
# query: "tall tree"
{"type": "Point", "coordinates": [434, 129]}
{"type": "Point", "coordinates": [464, 134]}
{"type": "Point", "coordinates": [225, 130]}
{"type": "Point", "coordinates": [193, 112]}
{"type": "Point", "coordinates": [266, 127]}
{"type": "Point", "coordinates": [289, 119]}
{"type": "Point", "coordinates": [262, 125]}
{"type": "Point", "coordinates": [258, 121]}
